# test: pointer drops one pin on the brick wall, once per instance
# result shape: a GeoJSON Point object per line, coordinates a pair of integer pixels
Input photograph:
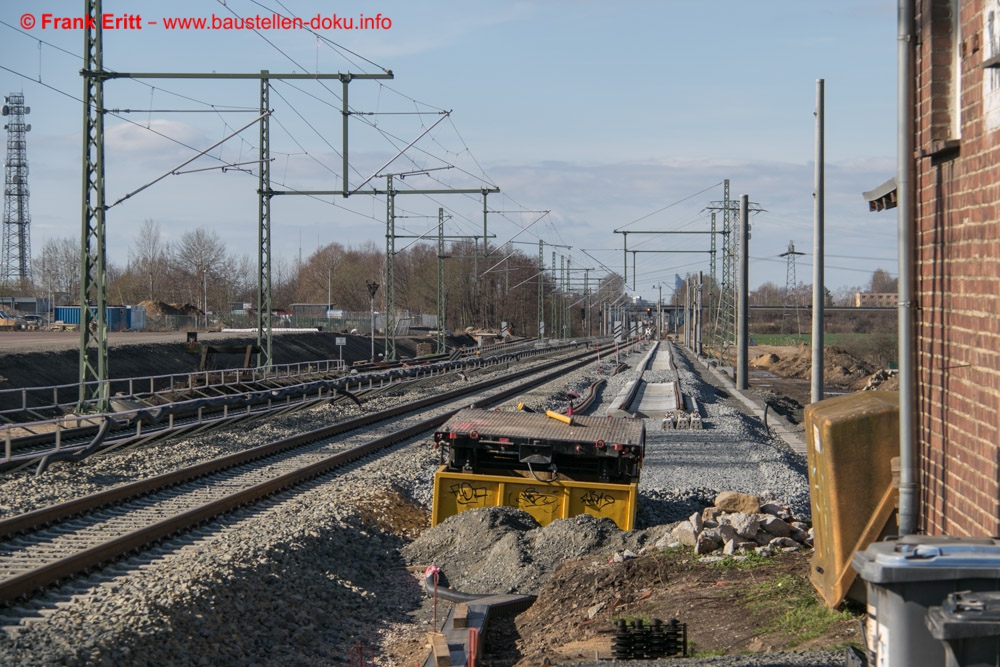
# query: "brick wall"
{"type": "Point", "coordinates": [957, 289]}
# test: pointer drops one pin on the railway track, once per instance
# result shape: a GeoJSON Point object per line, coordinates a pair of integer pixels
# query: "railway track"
{"type": "Point", "coordinates": [138, 422]}
{"type": "Point", "coordinates": [52, 544]}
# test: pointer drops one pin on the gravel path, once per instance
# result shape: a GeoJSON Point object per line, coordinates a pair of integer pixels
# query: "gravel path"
{"type": "Point", "coordinates": [301, 582]}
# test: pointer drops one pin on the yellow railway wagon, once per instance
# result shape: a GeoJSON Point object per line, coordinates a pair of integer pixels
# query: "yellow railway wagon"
{"type": "Point", "coordinates": [552, 466]}
{"type": "Point", "coordinates": [455, 492]}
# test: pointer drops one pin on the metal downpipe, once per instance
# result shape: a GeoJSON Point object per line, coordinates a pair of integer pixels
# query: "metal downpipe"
{"type": "Point", "coordinates": [906, 130]}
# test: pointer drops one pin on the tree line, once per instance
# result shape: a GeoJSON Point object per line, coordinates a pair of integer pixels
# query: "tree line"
{"type": "Point", "coordinates": [480, 290]}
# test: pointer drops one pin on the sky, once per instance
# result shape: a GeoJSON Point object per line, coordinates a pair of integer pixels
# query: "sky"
{"type": "Point", "coordinates": [590, 117]}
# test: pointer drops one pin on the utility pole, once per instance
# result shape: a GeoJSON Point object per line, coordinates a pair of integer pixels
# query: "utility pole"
{"type": "Point", "coordinates": [442, 310]}
{"type": "Point", "coordinates": [94, 387]}
{"type": "Point", "coordinates": [687, 310]}
{"type": "Point", "coordinates": [205, 293]}
{"type": "Point", "coordinates": [93, 269]}
{"type": "Point", "coordinates": [742, 335]}
{"type": "Point", "coordinates": [390, 254]}
{"type": "Point", "coordinates": [699, 315]}
{"type": "Point", "coordinates": [264, 194]}
{"type": "Point", "coordinates": [659, 313]}
{"type": "Point", "coordinates": [555, 294]}
{"type": "Point", "coordinates": [819, 296]}
{"type": "Point", "coordinates": [390, 271]}
{"type": "Point", "coordinates": [372, 288]}
{"type": "Point", "coordinates": [724, 330]}
{"type": "Point", "coordinates": [541, 290]}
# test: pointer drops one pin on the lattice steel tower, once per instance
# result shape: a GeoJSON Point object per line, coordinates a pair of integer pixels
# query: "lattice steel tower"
{"type": "Point", "coordinates": [724, 331]}
{"type": "Point", "coordinates": [723, 335]}
{"type": "Point", "coordinates": [790, 284]}
{"type": "Point", "coordinates": [16, 220]}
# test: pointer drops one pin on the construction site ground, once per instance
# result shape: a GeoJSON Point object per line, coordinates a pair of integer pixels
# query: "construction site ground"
{"type": "Point", "coordinates": [727, 609]}
{"type": "Point", "coordinates": [782, 375]}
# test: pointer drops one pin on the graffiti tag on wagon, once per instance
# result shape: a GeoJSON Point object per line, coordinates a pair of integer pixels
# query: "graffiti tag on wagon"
{"type": "Point", "coordinates": [466, 494]}
{"type": "Point", "coordinates": [596, 500]}
{"type": "Point", "coordinates": [530, 497]}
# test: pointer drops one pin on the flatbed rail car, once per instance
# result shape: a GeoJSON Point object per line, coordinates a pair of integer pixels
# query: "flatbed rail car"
{"type": "Point", "coordinates": [550, 467]}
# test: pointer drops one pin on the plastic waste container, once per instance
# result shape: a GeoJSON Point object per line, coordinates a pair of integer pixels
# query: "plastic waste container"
{"type": "Point", "coordinates": [905, 577]}
{"type": "Point", "coordinates": [968, 623]}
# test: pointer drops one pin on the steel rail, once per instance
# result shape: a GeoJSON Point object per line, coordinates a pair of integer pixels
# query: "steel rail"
{"type": "Point", "coordinates": [147, 422]}
{"type": "Point", "coordinates": [24, 584]}
{"type": "Point", "coordinates": [61, 511]}
{"type": "Point", "coordinates": [221, 397]}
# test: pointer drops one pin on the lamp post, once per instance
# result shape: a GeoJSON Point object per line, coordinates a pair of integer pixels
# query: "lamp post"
{"type": "Point", "coordinates": [372, 288]}
{"type": "Point", "coordinates": [329, 295]}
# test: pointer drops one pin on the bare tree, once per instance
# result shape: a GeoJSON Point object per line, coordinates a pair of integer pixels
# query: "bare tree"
{"type": "Point", "coordinates": [768, 294]}
{"type": "Point", "coordinates": [882, 282]}
{"type": "Point", "coordinates": [200, 255]}
{"type": "Point", "coordinates": [149, 258]}
{"type": "Point", "coordinates": [58, 269]}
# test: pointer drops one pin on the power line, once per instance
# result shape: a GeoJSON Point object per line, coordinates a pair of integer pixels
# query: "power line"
{"type": "Point", "coordinates": [679, 201]}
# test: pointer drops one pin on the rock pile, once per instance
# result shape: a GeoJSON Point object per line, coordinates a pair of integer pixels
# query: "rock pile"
{"type": "Point", "coordinates": [740, 523]}
{"type": "Point", "coordinates": [876, 380]}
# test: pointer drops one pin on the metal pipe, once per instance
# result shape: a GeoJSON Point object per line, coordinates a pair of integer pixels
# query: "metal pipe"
{"type": "Point", "coordinates": [906, 60]}
{"type": "Point", "coordinates": [818, 291]}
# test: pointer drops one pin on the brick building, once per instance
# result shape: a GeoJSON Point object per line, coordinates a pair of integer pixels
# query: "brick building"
{"type": "Point", "coordinates": [875, 299]}
{"type": "Point", "coordinates": [956, 281]}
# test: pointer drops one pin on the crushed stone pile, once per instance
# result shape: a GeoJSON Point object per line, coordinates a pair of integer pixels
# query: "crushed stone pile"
{"type": "Point", "coordinates": [502, 550]}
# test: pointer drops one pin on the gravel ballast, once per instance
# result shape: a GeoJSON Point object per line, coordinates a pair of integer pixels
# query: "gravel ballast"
{"type": "Point", "coordinates": [300, 582]}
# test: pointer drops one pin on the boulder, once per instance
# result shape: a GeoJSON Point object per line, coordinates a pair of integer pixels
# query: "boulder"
{"type": "Point", "coordinates": [709, 515]}
{"type": "Point", "coordinates": [685, 534]}
{"type": "Point", "coordinates": [708, 541]}
{"type": "Point", "coordinates": [668, 541]}
{"type": "Point", "coordinates": [775, 526]}
{"type": "Point", "coordinates": [731, 501]}
{"type": "Point", "coordinates": [783, 543]}
{"type": "Point", "coordinates": [746, 525]}
{"type": "Point", "coordinates": [727, 532]}
{"type": "Point", "coordinates": [779, 511]}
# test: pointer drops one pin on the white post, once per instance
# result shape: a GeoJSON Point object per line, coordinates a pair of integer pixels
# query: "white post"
{"type": "Point", "coordinates": [818, 291]}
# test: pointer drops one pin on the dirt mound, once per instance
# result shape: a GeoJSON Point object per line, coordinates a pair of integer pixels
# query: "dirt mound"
{"type": "Point", "coordinates": [765, 361]}
{"type": "Point", "coordinates": [839, 367]}
{"type": "Point", "coordinates": [159, 309]}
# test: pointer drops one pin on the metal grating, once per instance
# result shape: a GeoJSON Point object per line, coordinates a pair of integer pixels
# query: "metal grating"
{"type": "Point", "coordinates": [520, 425]}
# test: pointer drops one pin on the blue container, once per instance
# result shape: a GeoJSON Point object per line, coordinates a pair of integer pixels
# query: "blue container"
{"type": "Point", "coordinates": [136, 318]}
{"type": "Point", "coordinates": [118, 317]}
{"type": "Point", "coordinates": [68, 314]}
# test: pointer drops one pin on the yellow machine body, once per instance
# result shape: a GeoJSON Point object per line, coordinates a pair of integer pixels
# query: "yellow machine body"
{"type": "Point", "coordinates": [455, 492]}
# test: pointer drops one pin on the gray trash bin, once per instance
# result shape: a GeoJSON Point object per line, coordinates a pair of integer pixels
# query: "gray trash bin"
{"type": "Point", "coordinates": [969, 625]}
{"type": "Point", "coordinates": [905, 577]}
